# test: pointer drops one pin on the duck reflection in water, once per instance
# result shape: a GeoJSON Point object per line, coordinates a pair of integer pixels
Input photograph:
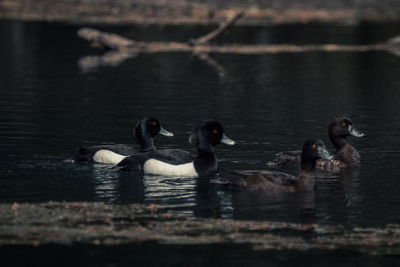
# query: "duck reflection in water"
{"type": "Point", "coordinates": [115, 187]}
{"type": "Point", "coordinates": [339, 197]}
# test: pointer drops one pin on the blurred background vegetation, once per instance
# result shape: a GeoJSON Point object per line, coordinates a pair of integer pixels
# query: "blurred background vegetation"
{"type": "Point", "coordinates": [258, 12]}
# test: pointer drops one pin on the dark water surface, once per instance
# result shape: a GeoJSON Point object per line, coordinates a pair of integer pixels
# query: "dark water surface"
{"type": "Point", "coordinates": [171, 255]}
{"type": "Point", "coordinates": [49, 106]}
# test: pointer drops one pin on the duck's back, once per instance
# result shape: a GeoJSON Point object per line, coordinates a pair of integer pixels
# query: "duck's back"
{"type": "Point", "coordinates": [260, 180]}
{"type": "Point", "coordinates": [89, 154]}
{"type": "Point", "coordinates": [170, 162]}
{"type": "Point", "coordinates": [292, 159]}
{"type": "Point", "coordinates": [174, 156]}
{"type": "Point", "coordinates": [289, 159]}
{"type": "Point", "coordinates": [330, 165]}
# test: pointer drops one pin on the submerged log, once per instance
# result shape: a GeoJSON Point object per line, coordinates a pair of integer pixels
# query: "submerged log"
{"type": "Point", "coordinates": [101, 224]}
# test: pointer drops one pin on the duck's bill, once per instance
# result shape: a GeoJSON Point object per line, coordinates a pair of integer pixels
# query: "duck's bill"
{"type": "Point", "coordinates": [325, 153]}
{"type": "Point", "coordinates": [356, 133]}
{"type": "Point", "coordinates": [227, 141]}
{"type": "Point", "coordinates": [165, 132]}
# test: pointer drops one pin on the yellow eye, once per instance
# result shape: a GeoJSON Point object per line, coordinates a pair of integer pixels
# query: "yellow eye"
{"type": "Point", "coordinates": [215, 131]}
{"type": "Point", "coordinates": [344, 124]}
{"type": "Point", "coordinates": [154, 123]}
{"type": "Point", "coordinates": [314, 146]}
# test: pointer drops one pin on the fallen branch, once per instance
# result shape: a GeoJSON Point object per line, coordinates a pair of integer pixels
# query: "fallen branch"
{"type": "Point", "coordinates": [114, 41]}
{"type": "Point", "coordinates": [217, 32]}
{"type": "Point", "coordinates": [124, 48]}
{"type": "Point", "coordinates": [100, 39]}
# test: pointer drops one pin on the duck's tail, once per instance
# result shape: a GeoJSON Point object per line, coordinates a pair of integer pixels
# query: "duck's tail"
{"type": "Point", "coordinates": [131, 164]}
{"type": "Point", "coordinates": [394, 40]}
{"type": "Point", "coordinates": [82, 155]}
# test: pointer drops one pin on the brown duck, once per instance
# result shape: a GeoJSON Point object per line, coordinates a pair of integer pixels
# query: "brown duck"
{"type": "Point", "coordinates": [346, 155]}
{"type": "Point", "coordinates": [274, 181]}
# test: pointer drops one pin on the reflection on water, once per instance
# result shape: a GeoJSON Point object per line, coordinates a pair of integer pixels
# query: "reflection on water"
{"type": "Point", "coordinates": [105, 183]}
{"type": "Point", "coordinates": [110, 58]}
{"type": "Point", "coordinates": [225, 204]}
{"type": "Point", "coordinates": [268, 103]}
{"type": "Point", "coordinates": [340, 194]}
{"type": "Point", "coordinates": [172, 192]}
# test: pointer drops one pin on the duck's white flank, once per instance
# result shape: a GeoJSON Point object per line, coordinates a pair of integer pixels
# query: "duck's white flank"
{"type": "Point", "coordinates": [153, 166]}
{"type": "Point", "coordinates": [107, 156]}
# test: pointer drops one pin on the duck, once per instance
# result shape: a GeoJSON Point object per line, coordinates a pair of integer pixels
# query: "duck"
{"type": "Point", "coordinates": [346, 155]}
{"type": "Point", "coordinates": [275, 181]}
{"type": "Point", "coordinates": [176, 162]}
{"type": "Point", "coordinates": [145, 130]}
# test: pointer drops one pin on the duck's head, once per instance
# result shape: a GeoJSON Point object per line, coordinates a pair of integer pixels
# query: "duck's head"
{"type": "Point", "coordinates": [209, 134]}
{"type": "Point", "coordinates": [339, 129]}
{"type": "Point", "coordinates": [146, 129]}
{"type": "Point", "coordinates": [312, 150]}
{"type": "Point", "coordinates": [343, 127]}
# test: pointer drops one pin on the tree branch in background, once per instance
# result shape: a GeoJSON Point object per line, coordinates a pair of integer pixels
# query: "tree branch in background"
{"type": "Point", "coordinates": [100, 39]}
{"type": "Point", "coordinates": [117, 42]}
{"type": "Point", "coordinates": [126, 48]}
{"type": "Point", "coordinates": [223, 27]}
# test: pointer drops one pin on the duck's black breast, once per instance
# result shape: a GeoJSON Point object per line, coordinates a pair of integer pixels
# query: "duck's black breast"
{"type": "Point", "coordinates": [87, 153]}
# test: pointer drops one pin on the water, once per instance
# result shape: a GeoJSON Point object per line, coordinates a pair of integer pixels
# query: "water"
{"type": "Point", "coordinates": [49, 106]}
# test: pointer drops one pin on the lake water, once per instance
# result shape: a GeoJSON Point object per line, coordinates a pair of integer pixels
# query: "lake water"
{"type": "Point", "coordinates": [50, 105]}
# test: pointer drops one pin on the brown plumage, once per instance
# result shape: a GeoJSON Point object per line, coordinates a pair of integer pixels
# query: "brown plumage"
{"type": "Point", "coordinates": [262, 180]}
{"type": "Point", "coordinates": [274, 181]}
{"type": "Point", "coordinates": [346, 155]}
